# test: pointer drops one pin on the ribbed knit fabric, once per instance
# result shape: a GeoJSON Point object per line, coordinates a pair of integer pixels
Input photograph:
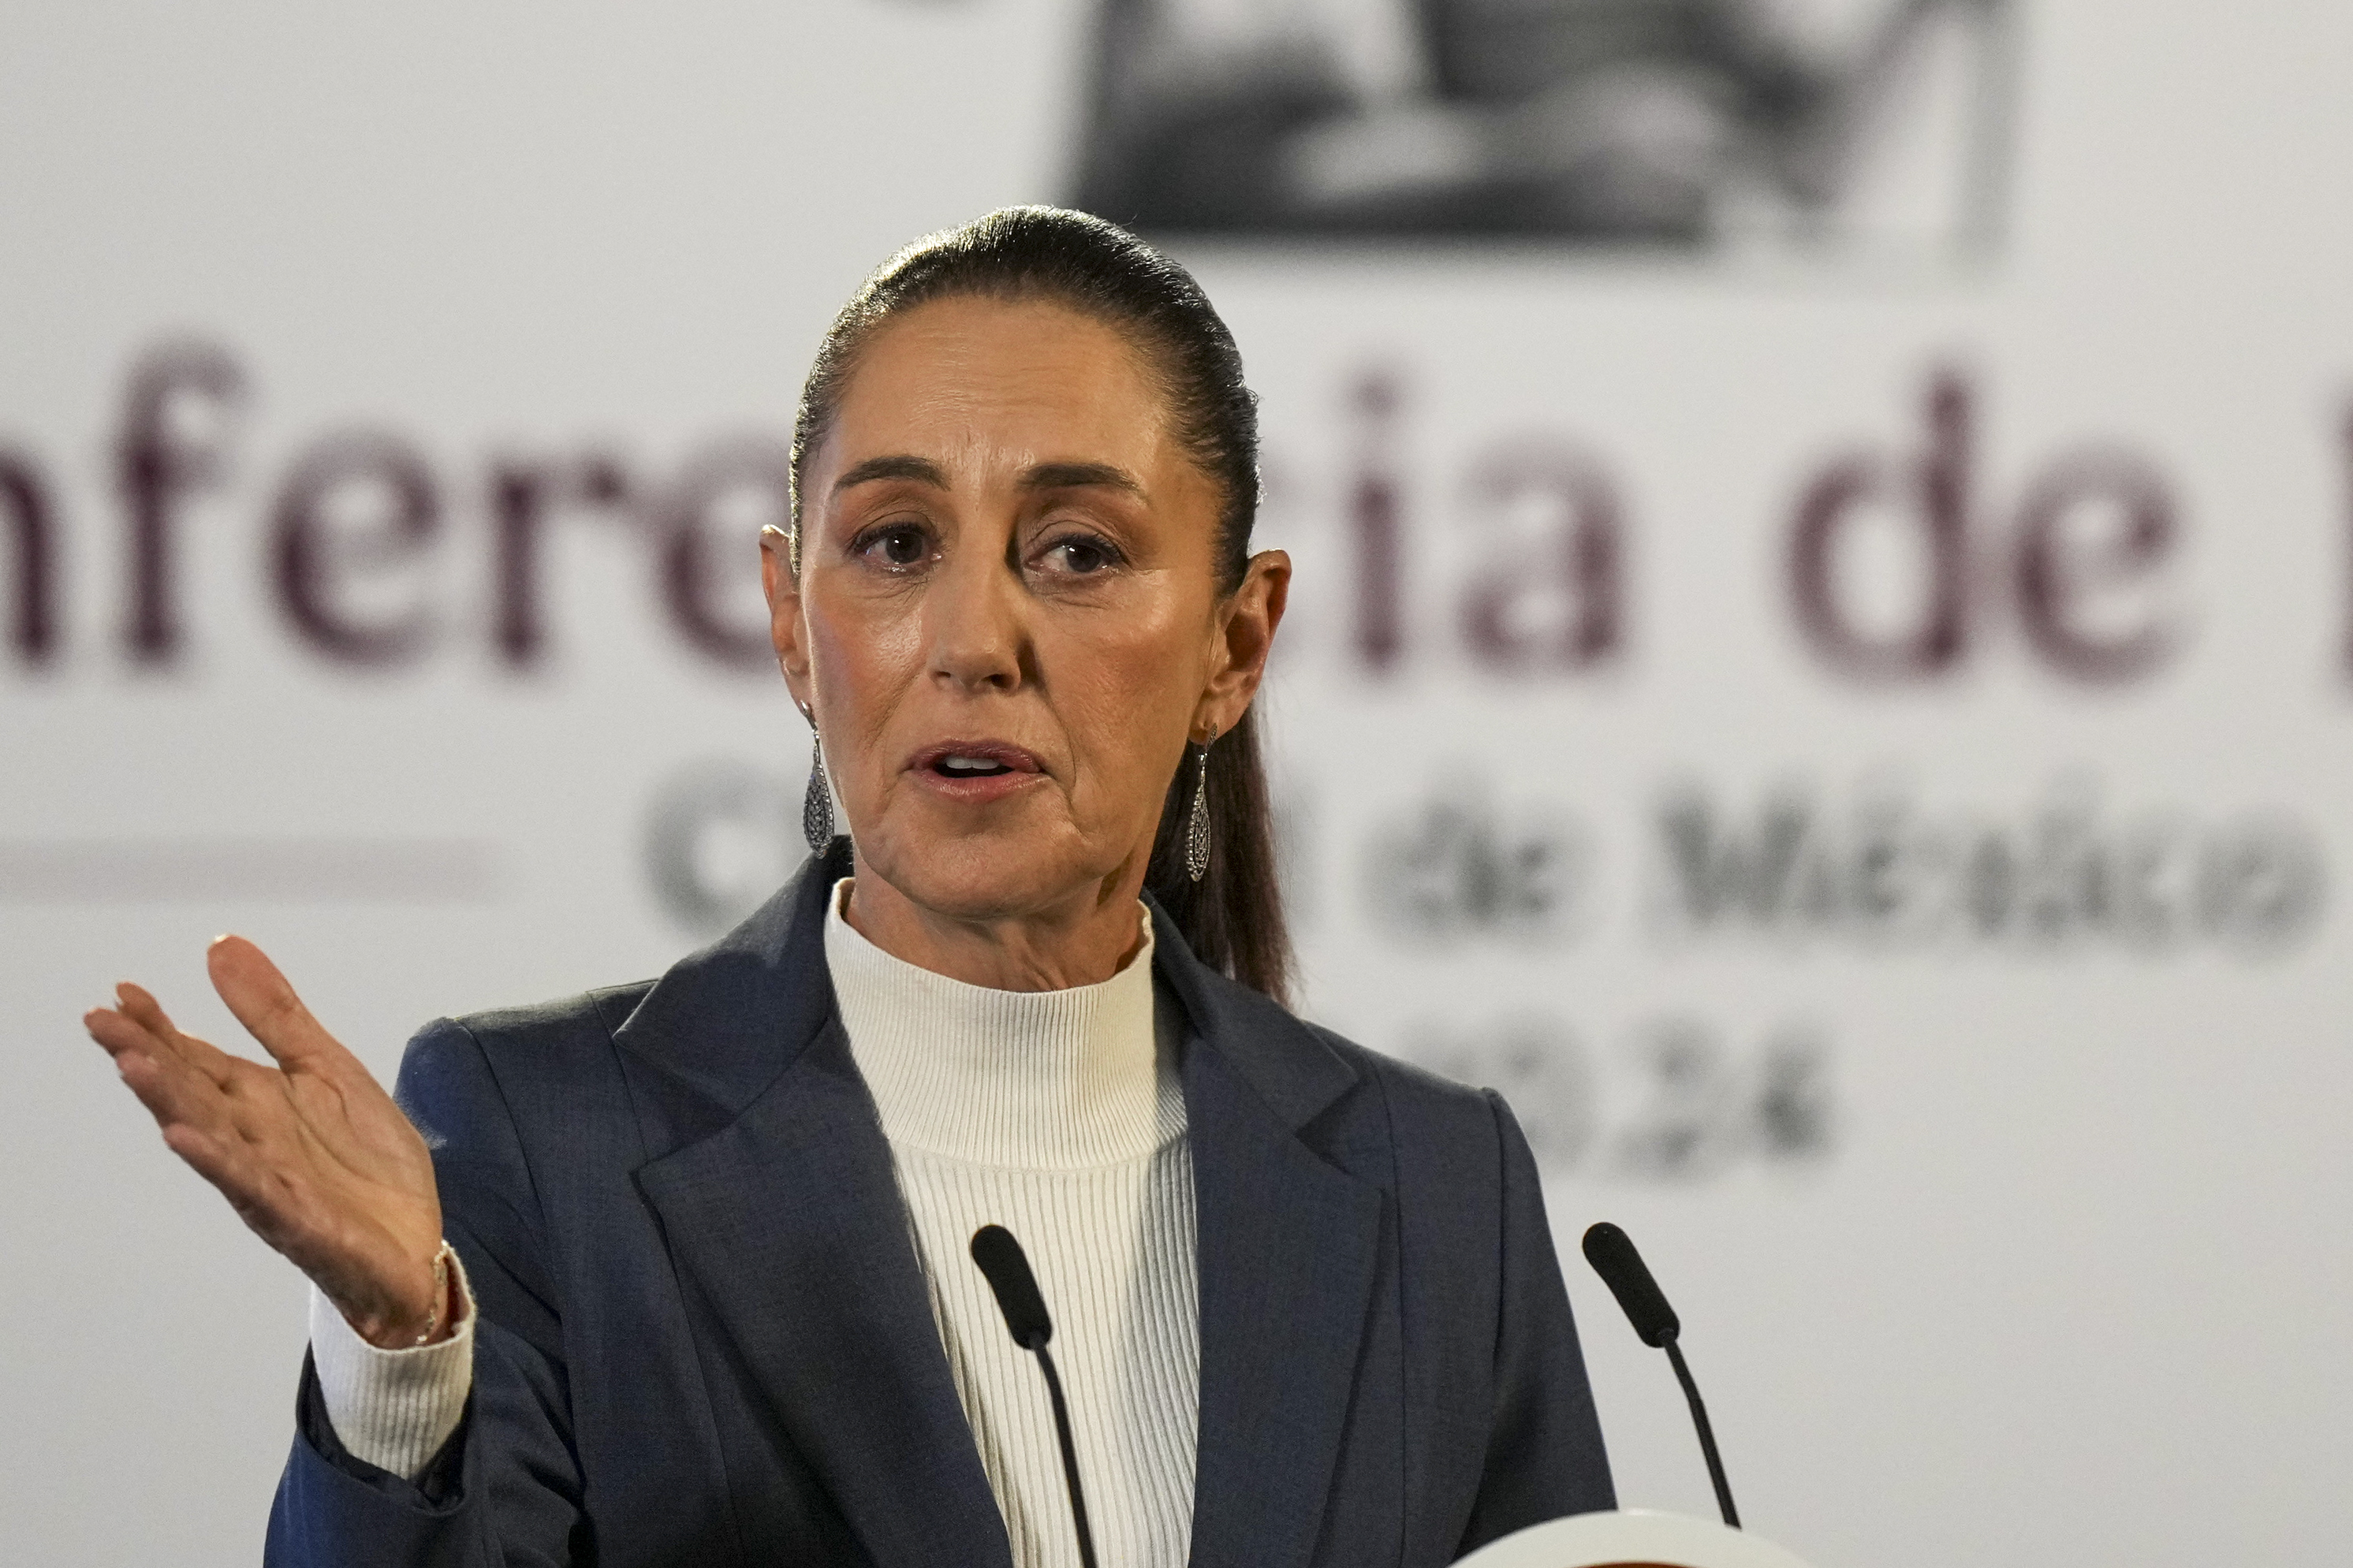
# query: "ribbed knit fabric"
{"type": "Point", "coordinates": [393, 1409]}
{"type": "Point", "coordinates": [1058, 1115]}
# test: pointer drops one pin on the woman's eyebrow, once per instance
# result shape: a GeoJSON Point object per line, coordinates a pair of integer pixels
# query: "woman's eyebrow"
{"type": "Point", "coordinates": [923, 470]}
{"type": "Point", "coordinates": [1072, 476]}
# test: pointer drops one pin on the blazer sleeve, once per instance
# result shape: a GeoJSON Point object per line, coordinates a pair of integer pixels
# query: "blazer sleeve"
{"type": "Point", "coordinates": [1545, 1456]}
{"type": "Point", "coordinates": [505, 1492]}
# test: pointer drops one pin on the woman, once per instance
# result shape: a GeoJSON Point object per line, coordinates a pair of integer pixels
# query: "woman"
{"type": "Point", "coordinates": [705, 1296]}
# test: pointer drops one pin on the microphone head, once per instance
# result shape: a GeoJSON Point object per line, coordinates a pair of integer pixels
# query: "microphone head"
{"type": "Point", "coordinates": [1007, 1267]}
{"type": "Point", "coordinates": [1611, 1253]}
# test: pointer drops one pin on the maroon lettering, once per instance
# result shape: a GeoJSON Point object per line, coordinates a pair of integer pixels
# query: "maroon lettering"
{"type": "Point", "coordinates": [162, 457]}
{"type": "Point", "coordinates": [353, 507]}
{"type": "Point", "coordinates": [33, 628]}
{"type": "Point", "coordinates": [1373, 514]}
{"type": "Point", "coordinates": [2093, 525]}
{"type": "Point", "coordinates": [1935, 644]}
{"type": "Point", "coordinates": [1557, 604]}
{"type": "Point", "coordinates": [711, 532]}
{"type": "Point", "coordinates": [524, 496]}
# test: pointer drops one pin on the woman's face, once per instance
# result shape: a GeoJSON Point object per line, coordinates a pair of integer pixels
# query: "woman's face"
{"type": "Point", "coordinates": [1007, 617]}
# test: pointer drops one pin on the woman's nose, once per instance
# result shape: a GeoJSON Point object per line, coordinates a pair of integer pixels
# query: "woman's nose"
{"type": "Point", "coordinates": [974, 619]}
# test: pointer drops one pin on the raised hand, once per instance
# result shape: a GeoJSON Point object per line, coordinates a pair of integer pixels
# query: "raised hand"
{"type": "Point", "coordinates": [313, 1154]}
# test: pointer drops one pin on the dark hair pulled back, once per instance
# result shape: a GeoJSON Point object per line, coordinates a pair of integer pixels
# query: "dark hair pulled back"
{"type": "Point", "coordinates": [1232, 918]}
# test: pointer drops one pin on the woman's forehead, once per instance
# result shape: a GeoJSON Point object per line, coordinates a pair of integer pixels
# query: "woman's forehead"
{"type": "Point", "coordinates": [969, 375]}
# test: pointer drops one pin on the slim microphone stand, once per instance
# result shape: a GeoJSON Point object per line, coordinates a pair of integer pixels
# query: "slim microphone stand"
{"type": "Point", "coordinates": [1611, 1252]}
{"type": "Point", "coordinates": [1070, 1455]}
{"type": "Point", "coordinates": [1007, 1268]}
{"type": "Point", "coordinates": [1706, 1435]}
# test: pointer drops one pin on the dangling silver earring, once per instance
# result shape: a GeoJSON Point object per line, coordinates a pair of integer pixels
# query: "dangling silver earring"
{"type": "Point", "coordinates": [816, 805]}
{"type": "Point", "coordinates": [1197, 824]}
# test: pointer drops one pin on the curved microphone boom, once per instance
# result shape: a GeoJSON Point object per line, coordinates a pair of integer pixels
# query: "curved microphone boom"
{"type": "Point", "coordinates": [1007, 1268]}
{"type": "Point", "coordinates": [1611, 1252]}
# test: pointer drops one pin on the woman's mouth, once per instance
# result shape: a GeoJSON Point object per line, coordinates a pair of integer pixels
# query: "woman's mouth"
{"type": "Point", "coordinates": [975, 770]}
{"type": "Point", "coordinates": [962, 767]}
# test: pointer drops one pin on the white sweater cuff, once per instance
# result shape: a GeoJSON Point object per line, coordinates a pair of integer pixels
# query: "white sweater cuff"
{"type": "Point", "coordinates": [393, 1409]}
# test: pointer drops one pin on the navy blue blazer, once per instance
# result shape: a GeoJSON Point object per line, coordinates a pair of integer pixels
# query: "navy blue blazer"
{"type": "Point", "coordinates": [705, 1338]}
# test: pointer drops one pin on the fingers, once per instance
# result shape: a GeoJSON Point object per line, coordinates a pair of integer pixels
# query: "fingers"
{"type": "Point", "coordinates": [145, 1011]}
{"type": "Point", "coordinates": [266, 1005]}
{"type": "Point", "coordinates": [199, 1117]}
{"type": "Point", "coordinates": [172, 1089]}
{"type": "Point", "coordinates": [349, 1199]}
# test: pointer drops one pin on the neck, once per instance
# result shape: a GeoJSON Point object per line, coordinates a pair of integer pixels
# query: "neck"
{"type": "Point", "coordinates": [1036, 1081]}
{"type": "Point", "coordinates": [1083, 940]}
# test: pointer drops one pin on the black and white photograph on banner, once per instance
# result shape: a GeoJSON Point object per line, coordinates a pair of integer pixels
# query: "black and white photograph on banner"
{"type": "Point", "coordinates": [1163, 783]}
{"type": "Point", "coordinates": [1693, 124]}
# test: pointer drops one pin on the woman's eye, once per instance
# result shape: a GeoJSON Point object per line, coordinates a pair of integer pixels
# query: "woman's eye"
{"type": "Point", "coordinates": [896, 545]}
{"type": "Point", "coordinates": [1081, 556]}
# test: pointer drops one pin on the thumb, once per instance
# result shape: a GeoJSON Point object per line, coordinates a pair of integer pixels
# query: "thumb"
{"type": "Point", "coordinates": [266, 1005]}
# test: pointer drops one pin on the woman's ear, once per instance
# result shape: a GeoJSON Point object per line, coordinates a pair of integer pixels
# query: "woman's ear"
{"type": "Point", "coordinates": [782, 585]}
{"type": "Point", "coordinates": [1247, 621]}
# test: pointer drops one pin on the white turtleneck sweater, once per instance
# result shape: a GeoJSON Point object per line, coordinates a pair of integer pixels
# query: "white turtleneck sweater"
{"type": "Point", "coordinates": [1057, 1114]}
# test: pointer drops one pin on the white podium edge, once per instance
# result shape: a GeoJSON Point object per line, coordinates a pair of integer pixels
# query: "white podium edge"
{"type": "Point", "coordinates": [1630, 1535]}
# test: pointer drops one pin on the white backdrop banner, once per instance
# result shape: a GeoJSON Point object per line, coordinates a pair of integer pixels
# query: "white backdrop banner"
{"type": "Point", "coordinates": [1821, 665]}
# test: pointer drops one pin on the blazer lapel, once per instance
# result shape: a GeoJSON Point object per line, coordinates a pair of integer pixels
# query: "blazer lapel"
{"type": "Point", "coordinates": [775, 1187]}
{"type": "Point", "coordinates": [788, 1217]}
{"type": "Point", "coordinates": [1289, 1247]}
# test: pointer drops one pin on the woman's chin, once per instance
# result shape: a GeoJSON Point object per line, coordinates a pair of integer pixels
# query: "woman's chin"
{"type": "Point", "coordinates": [988, 871]}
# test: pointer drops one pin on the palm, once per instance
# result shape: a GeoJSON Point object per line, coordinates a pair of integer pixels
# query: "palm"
{"type": "Point", "coordinates": [313, 1154]}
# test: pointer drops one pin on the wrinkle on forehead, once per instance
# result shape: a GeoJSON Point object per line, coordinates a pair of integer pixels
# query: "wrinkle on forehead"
{"type": "Point", "coordinates": [991, 386]}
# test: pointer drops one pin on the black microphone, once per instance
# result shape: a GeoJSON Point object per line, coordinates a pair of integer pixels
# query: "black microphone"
{"type": "Point", "coordinates": [1611, 1253]}
{"type": "Point", "coordinates": [1007, 1267]}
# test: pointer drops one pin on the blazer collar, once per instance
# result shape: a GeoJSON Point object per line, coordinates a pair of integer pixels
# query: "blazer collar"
{"type": "Point", "coordinates": [775, 1191]}
{"type": "Point", "coordinates": [725, 1023]}
{"type": "Point", "coordinates": [774, 1186]}
{"type": "Point", "coordinates": [1288, 1248]}
{"type": "Point", "coordinates": [1285, 1062]}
